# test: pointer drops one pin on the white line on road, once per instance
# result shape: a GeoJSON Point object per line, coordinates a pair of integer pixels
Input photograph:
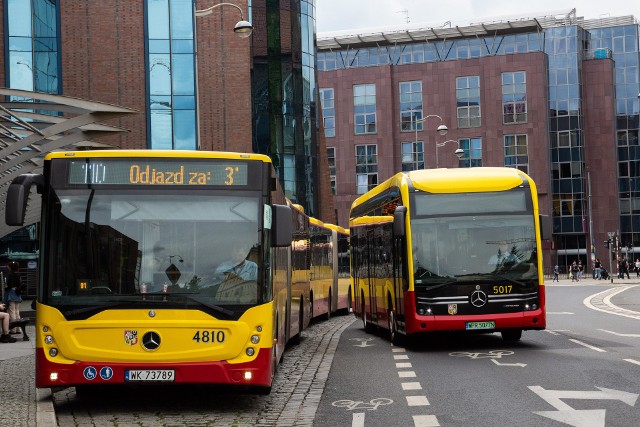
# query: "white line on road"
{"type": "Point", "coordinates": [417, 401]}
{"type": "Point", "coordinates": [425, 421]}
{"type": "Point", "coordinates": [404, 365]}
{"type": "Point", "coordinates": [588, 346]}
{"type": "Point", "coordinates": [620, 335]}
{"type": "Point", "coordinates": [400, 357]}
{"type": "Point", "coordinates": [632, 361]}
{"type": "Point", "coordinates": [407, 374]}
{"type": "Point", "coordinates": [411, 386]}
{"type": "Point", "coordinates": [398, 350]}
{"type": "Point", "coordinates": [551, 332]}
{"type": "Point", "coordinates": [357, 420]}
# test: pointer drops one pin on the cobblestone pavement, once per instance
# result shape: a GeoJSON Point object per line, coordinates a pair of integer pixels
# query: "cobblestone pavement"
{"type": "Point", "coordinates": [17, 379]}
{"type": "Point", "coordinates": [293, 401]}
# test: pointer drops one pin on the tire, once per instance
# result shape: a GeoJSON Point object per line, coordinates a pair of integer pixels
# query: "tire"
{"type": "Point", "coordinates": [368, 327]}
{"type": "Point", "coordinates": [327, 316]}
{"type": "Point", "coordinates": [512, 335]}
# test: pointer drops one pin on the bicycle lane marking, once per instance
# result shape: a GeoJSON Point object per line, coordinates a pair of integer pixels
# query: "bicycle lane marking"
{"type": "Point", "coordinates": [413, 400]}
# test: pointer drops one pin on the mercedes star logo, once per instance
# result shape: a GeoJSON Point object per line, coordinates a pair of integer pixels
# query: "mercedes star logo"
{"type": "Point", "coordinates": [478, 298]}
{"type": "Point", "coordinates": [151, 341]}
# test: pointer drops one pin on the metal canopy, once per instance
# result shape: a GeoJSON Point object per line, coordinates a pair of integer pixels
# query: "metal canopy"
{"type": "Point", "coordinates": [33, 124]}
{"type": "Point", "coordinates": [427, 34]}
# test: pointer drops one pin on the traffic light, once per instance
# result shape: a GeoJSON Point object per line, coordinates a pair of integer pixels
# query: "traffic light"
{"type": "Point", "coordinates": [607, 243]}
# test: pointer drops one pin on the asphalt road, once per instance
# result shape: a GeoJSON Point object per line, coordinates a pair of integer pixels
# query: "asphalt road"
{"type": "Point", "coordinates": [584, 370]}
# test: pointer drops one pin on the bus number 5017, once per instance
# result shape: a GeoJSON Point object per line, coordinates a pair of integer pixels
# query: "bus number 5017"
{"type": "Point", "coordinates": [506, 289]}
{"type": "Point", "coordinates": [212, 337]}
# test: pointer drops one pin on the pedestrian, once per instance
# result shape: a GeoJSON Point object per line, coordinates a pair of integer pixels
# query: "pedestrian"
{"type": "Point", "coordinates": [574, 271]}
{"type": "Point", "coordinates": [556, 274]}
{"type": "Point", "coordinates": [620, 269]}
{"type": "Point", "coordinates": [597, 269]}
{"type": "Point", "coordinates": [580, 270]}
{"type": "Point", "coordinates": [13, 292]}
{"type": "Point", "coordinates": [4, 318]}
{"type": "Point", "coordinates": [637, 267]}
{"type": "Point", "coordinates": [625, 269]}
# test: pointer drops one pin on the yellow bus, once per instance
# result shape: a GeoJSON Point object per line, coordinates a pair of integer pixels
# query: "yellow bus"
{"type": "Point", "coordinates": [447, 250]}
{"type": "Point", "coordinates": [161, 266]}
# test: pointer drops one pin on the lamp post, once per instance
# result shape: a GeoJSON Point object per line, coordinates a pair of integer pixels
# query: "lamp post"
{"type": "Point", "coordinates": [442, 130]}
{"type": "Point", "coordinates": [242, 28]}
{"type": "Point", "coordinates": [459, 151]}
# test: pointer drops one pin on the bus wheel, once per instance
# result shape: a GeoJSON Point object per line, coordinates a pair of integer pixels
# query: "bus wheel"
{"type": "Point", "coordinates": [368, 327]}
{"type": "Point", "coordinates": [512, 335]}
{"type": "Point", "coordinates": [328, 315]}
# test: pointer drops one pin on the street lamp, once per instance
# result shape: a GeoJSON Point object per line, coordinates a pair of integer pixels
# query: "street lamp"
{"type": "Point", "coordinates": [442, 129]}
{"type": "Point", "coordinates": [242, 28]}
{"type": "Point", "coordinates": [459, 151]}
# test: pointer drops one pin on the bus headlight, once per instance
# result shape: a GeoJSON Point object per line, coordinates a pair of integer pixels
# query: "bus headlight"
{"type": "Point", "coordinates": [250, 351]}
{"type": "Point", "coordinates": [53, 352]}
{"type": "Point", "coordinates": [255, 339]}
{"type": "Point", "coordinates": [48, 339]}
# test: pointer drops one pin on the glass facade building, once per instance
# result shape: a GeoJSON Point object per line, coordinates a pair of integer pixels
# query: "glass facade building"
{"type": "Point", "coordinates": [568, 44]}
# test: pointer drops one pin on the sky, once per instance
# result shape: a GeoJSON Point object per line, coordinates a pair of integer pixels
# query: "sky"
{"type": "Point", "coordinates": [344, 15]}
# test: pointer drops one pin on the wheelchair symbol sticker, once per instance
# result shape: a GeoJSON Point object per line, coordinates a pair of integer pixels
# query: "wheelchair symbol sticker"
{"type": "Point", "coordinates": [90, 373]}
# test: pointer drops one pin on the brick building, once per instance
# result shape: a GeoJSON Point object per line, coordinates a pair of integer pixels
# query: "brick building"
{"type": "Point", "coordinates": [196, 84]}
{"type": "Point", "coordinates": [554, 95]}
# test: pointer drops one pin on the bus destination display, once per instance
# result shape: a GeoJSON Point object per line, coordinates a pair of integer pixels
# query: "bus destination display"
{"type": "Point", "coordinates": [158, 172]}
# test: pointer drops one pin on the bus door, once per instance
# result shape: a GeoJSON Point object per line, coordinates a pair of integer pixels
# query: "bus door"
{"type": "Point", "coordinates": [372, 273]}
{"type": "Point", "coordinates": [399, 282]}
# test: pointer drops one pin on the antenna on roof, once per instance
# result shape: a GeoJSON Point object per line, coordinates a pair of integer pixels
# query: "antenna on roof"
{"type": "Point", "coordinates": [406, 15]}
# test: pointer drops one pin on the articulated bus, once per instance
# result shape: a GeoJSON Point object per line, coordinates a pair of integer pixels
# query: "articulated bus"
{"type": "Point", "coordinates": [164, 266]}
{"type": "Point", "coordinates": [449, 250]}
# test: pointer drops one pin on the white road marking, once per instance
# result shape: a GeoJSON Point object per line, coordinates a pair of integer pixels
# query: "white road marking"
{"type": "Point", "coordinates": [357, 420]}
{"type": "Point", "coordinates": [400, 357]}
{"type": "Point", "coordinates": [588, 346]}
{"type": "Point", "coordinates": [521, 365]}
{"type": "Point", "coordinates": [411, 386]}
{"type": "Point", "coordinates": [632, 361]}
{"type": "Point", "coordinates": [608, 306]}
{"type": "Point", "coordinates": [403, 365]}
{"type": "Point", "coordinates": [398, 350]}
{"type": "Point", "coordinates": [417, 401]}
{"type": "Point", "coordinates": [425, 421]}
{"type": "Point", "coordinates": [559, 312]}
{"type": "Point", "coordinates": [407, 374]}
{"type": "Point", "coordinates": [551, 332]}
{"type": "Point", "coordinates": [620, 335]}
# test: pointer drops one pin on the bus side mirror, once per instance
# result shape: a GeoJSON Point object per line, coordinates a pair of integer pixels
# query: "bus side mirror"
{"type": "Point", "coordinates": [281, 228]}
{"type": "Point", "coordinates": [399, 221]}
{"type": "Point", "coordinates": [546, 227]}
{"type": "Point", "coordinates": [18, 196]}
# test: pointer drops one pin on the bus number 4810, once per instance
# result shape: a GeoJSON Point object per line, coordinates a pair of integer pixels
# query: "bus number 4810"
{"type": "Point", "coordinates": [209, 337]}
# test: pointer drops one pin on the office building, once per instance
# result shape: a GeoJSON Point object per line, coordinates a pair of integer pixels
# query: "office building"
{"type": "Point", "coordinates": [554, 95]}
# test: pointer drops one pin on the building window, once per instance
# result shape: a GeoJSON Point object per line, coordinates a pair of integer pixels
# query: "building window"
{"type": "Point", "coordinates": [412, 156]}
{"type": "Point", "coordinates": [515, 152]}
{"type": "Point", "coordinates": [33, 45]}
{"type": "Point", "coordinates": [171, 75]}
{"type": "Point", "coordinates": [472, 152]}
{"type": "Point", "coordinates": [331, 157]}
{"type": "Point", "coordinates": [364, 108]}
{"type": "Point", "coordinates": [468, 101]}
{"type": "Point", "coordinates": [328, 112]}
{"type": "Point", "coordinates": [410, 106]}
{"type": "Point", "coordinates": [366, 167]}
{"type": "Point", "coordinates": [514, 97]}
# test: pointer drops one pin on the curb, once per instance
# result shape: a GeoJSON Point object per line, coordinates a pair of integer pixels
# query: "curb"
{"type": "Point", "coordinates": [45, 414]}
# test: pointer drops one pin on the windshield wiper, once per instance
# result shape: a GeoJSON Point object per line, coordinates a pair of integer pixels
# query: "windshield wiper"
{"type": "Point", "coordinates": [221, 310]}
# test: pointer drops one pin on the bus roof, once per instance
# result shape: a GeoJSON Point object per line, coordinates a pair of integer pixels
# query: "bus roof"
{"type": "Point", "coordinates": [158, 154]}
{"type": "Point", "coordinates": [365, 220]}
{"type": "Point", "coordinates": [469, 180]}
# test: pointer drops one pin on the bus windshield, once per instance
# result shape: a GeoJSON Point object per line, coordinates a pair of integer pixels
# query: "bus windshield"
{"type": "Point", "coordinates": [472, 246]}
{"type": "Point", "coordinates": [110, 247]}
